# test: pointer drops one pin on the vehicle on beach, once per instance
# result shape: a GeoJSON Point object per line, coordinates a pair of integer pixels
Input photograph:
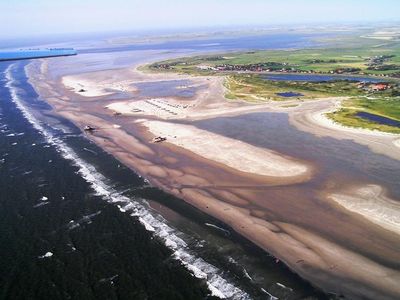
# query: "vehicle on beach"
{"type": "Point", "coordinates": [89, 128]}
{"type": "Point", "coordinates": [159, 139]}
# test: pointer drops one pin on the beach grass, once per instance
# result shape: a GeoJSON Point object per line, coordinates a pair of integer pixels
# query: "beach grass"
{"type": "Point", "coordinates": [254, 88]}
{"type": "Point", "coordinates": [386, 107]}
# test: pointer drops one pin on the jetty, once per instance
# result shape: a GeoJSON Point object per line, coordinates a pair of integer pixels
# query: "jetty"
{"type": "Point", "coordinates": [31, 53]}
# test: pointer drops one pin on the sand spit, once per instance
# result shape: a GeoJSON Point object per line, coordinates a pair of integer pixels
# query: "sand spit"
{"type": "Point", "coordinates": [321, 118]}
{"type": "Point", "coordinates": [233, 153]}
{"type": "Point", "coordinates": [370, 202]}
{"type": "Point", "coordinates": [311, 117]}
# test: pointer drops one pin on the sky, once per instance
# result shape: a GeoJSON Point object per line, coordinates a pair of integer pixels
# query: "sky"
{"type": "Point", "coordinates": [43, 17]}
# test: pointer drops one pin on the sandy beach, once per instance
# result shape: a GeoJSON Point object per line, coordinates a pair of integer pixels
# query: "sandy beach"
{"type": "Point", "coordinates": [342, 236]}
{"type": "Point", "coordinates": [230, 152]}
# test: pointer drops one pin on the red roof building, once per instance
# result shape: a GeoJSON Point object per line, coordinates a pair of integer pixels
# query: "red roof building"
{"type": "Point", "coordinates": [379, 87]}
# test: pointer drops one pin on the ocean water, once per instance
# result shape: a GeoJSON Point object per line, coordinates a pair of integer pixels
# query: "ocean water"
{"type": "Point", "coordinates": [78, 224]}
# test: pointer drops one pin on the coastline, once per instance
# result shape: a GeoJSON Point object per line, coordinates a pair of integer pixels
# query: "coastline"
{"type": "Point", "coordinates": [160, 163]}
{"type": "Point", "coordinates": [315, 121]}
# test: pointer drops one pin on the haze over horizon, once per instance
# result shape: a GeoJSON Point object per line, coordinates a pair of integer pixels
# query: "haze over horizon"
{"type": "Point", "coordinates": [45, 17]}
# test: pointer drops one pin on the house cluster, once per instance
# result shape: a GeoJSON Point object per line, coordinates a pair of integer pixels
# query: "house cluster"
{"type": "Point", "coordinates": [378, 59]}
{"type": "Point", "coordinates": [162, 66]}
{"type": "Point", "coordinates": [378, 63]}
{"type": "Point", "coordinates": [374, 87]}
{"type": "Point", "coordinates": [260, 67]}
{"type": "Point", "coordinates": [272, 67]}
{"type": "Point", "coordinates": [206, 68]}
{"type": "Point", "coordinates": [386, 67]}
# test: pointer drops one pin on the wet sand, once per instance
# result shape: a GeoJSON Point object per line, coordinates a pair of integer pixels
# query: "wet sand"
{"type": "Point", "coordinates": [336, 247]}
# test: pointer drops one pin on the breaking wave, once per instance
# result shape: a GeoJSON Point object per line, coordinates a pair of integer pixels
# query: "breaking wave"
{"type": "Point", "coordinates": [218, 286]}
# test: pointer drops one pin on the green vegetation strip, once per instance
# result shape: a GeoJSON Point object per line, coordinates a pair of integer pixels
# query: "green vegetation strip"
{"type": "Point", "coordinates": [253, 88]}
{"type": "Point", "coordinates": [385, 107]}
{"type": "Point", "coordinates": [365, 57]}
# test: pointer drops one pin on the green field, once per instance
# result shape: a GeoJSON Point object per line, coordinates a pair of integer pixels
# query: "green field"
{"type": "Point", "coordinates": [348, 55]}
{"type": "Point", "coordinates": [252, 88]}
{"type": "Point", "coordinates": [362, 55]}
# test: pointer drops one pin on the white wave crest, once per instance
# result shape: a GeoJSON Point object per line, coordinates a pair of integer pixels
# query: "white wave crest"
{"type": "Point", "coordinates": [218, 286]}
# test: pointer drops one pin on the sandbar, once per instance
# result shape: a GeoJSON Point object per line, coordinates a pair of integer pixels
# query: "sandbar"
{"type": "Point", "coordinates": [233, 153]}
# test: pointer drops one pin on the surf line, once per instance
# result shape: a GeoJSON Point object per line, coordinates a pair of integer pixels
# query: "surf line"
{"type": "Point", "coordinates": [217, 285]}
